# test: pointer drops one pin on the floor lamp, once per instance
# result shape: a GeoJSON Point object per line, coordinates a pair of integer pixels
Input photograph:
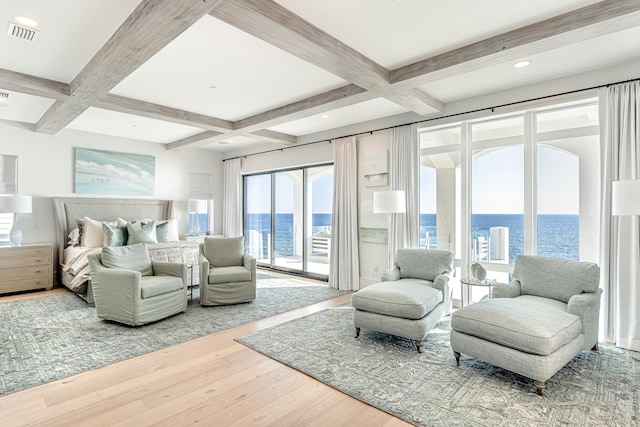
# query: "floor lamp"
{"type": "Point", "coordinates": [392, 203]}
{"type": "Point", "coordinates": [625, 197]}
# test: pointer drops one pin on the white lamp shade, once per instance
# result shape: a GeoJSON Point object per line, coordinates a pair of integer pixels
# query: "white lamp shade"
{"type": "Point", "coordinates": [15, 204]}
{"type": "Point", "coordinates": [389, 202]}
{"type": "Point", "coordinates": [625, 198]}
{"type": "Point", "coordinates": [197, 206]}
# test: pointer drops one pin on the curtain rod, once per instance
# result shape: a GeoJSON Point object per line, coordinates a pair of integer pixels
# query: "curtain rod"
{"type": "Point", "coordinates": [370, 132]}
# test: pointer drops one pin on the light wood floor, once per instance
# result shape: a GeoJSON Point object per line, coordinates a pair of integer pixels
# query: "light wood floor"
{"type": "Point", "coordinates": [210, 381]}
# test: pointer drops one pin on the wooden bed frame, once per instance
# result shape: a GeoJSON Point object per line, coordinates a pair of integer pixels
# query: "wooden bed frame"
{"type": "Point", "coordinates": [67, 209]}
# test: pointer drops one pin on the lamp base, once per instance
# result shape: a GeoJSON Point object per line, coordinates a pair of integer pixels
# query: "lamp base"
{"type": "Point", "coordinates": [15, 235]}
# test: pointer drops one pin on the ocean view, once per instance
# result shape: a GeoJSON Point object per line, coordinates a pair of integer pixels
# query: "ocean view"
{"type": "Point", "coordinates": [558, 235]}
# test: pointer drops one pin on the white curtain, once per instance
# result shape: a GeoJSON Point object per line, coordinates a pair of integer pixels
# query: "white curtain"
{"type": "Point", "coordinates": [405, 175]}
{"type": "Point", "coordinates": [620, 235]}
{"type": "Point", "coordinates": [344, 270]}
{"type": "Point", "coordinates": [232, 208]}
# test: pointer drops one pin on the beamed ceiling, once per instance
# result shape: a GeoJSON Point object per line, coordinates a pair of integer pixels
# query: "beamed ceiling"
{"type": "Point", "coordinates": [230, 74]}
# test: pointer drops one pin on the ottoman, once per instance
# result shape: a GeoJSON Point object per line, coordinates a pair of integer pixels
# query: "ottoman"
{"type": "Point", "coordinates": [407, 308]}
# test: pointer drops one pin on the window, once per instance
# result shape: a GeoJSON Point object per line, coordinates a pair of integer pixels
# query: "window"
{"type": "Point", "coordinates": [288, 219]}
{"type": "Point", "coordinates": [524, 183]}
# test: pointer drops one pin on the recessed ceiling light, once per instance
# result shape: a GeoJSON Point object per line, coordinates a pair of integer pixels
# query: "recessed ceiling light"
{"type": "Point", "coordinates": [213, 87]}
{"type": "Point", "coordinates": [24, 20]}
{"type": "Point", "coordinates": [522, 64]}
{"type": "Point", "coordinates": [325, 116]}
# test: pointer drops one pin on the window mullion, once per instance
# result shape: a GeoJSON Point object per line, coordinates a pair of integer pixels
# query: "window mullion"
{"type": "Point", "coordinates": [530, 185]}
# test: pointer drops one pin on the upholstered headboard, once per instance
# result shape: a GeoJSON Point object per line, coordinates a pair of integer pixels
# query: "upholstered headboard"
{"type": "Point", "coordinates": [67, 209]}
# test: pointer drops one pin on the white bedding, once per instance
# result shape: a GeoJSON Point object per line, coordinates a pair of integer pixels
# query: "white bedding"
{"type": "Point", "coordinates": [76, 264]}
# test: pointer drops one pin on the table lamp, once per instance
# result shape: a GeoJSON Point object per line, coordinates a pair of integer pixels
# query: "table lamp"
{"type": "Point", "coordinates": [196, 207]}
{"type": "Point", "coordinates": [15, 205]}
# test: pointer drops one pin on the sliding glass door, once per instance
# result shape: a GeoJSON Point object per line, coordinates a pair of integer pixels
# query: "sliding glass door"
{"type": "Point", "coordinates": [288, 219]}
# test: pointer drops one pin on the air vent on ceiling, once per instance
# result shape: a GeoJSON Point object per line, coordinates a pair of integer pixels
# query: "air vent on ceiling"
{"type": "Point", "coordinates": [22, 32]}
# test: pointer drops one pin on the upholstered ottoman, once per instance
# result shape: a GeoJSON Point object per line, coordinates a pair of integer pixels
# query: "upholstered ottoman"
{"type": "Point", "coordinates": [410, 300]}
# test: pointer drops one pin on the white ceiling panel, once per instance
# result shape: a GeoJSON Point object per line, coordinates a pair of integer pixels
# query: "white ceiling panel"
{"type": "Point", "coordinates": [70, 34]}
{"type": "Point", "coordinates": [108, 122]}
{"type": "Point", "coordinates": [249, 75]}
{"type": "Point", "coordinates": [399, 32]}
{"type": "Point", "coordinates": [576, 58]}
{"type": "Point", "coordinates": [20, 107]}
{"type": "Point", "coordinates": [362, 112]}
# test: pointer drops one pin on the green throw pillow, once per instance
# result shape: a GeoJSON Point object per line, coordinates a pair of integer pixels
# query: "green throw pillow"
{"type": "Point", "coordinates": [142, 233]}
{"type": "Point", "coordinates": [133, 257]}
{"type": "Point", "coordinates": [162, 232]}
{"type": "Point", "coordinates": [114, 235]}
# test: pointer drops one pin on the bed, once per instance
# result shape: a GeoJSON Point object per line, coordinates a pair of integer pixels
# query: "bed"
{"type": "Point", "coordinates": [70, 214]}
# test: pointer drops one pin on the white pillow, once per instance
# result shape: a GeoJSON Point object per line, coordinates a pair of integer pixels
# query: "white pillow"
{"type": "Point", "coordinates": [172, 234]}
{"type": "Point", "coordinates": [92, 234]}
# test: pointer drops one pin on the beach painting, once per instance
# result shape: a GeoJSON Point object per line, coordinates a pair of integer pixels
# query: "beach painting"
{"type": "Point", "coordinates": [376, 169]}
{"type": "Point", "coordinates": [114, 173]}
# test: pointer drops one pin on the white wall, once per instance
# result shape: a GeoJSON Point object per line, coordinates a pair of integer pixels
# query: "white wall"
{"type": "Point", "coordinates": [46, 169]}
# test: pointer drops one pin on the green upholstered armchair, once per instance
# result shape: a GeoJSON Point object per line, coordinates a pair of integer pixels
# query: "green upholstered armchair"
{"type": "Point", "coordinates": [129, 288]}
{"type": "Point", "coordinates": [227, 273]}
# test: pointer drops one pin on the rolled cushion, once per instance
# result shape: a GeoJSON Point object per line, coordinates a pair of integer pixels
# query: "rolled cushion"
{"type": "Point", "coordinates": [224, 252]}
{"type": "Point", "coordinates": [131, 257]}
{"type": "Point", "coordinates": [142, 233]}
{"type": "Point", "coordinates": [559, 279]}
{"type": "Point", "coordinates": [530, 324]}
{"type": "Point", "coordinates": [405, 298]}
{"type": "Point", "coordinates": [234, 273]}
{"type": "Point", "coordinates": [422, 263]}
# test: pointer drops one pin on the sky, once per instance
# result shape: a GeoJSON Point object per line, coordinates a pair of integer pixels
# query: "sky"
{"type": "Point", "coordinates": [498, 183]}
{"type": "Point", "coordinates": [497, 179]}
{"type": "Point", "coordinates": [322, 197]}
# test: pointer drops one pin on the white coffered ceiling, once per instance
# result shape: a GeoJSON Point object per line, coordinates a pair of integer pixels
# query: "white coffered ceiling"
{"type": "Point", "coordinates": [228, 74]}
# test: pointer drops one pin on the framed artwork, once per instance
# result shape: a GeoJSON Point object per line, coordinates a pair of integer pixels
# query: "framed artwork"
{"type": "Point", "coordinates": [114, 173]}
{"type": "Point", "coordinates": [373, 235]}
{"type": "Point", "coordinates": [8, 175]}
{"type": "Point", "coordinates": [376, 171]}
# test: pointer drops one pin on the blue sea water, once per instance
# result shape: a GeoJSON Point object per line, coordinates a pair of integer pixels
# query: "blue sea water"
{"type": "Point", "coordinates": [284, 231]}
{"type": "Point", "coordinates": [558, 235]}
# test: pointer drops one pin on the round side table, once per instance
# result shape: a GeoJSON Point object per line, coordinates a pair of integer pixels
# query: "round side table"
{"type": "Point", "coordinates": [472, 281]}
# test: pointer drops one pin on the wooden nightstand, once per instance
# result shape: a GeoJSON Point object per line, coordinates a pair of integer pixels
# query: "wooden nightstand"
{"type": "Point", "coordinates": [26, 267]}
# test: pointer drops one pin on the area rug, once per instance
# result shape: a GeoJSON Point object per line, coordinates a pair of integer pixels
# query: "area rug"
{"type": "Point", "coordinates": [428, 389]}
{"type": "Point", "coordinates": [51, 337]}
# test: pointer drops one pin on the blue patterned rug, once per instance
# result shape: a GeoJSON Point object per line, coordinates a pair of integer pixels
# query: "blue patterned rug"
{"type": "Point", "coordinates": [595, 389]}
{"type": "Point", "coordinates": [46, 338]}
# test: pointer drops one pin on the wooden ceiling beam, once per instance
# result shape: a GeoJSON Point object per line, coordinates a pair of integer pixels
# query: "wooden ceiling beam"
{"type": "Point", "coordinates": [197, 140]}
{"type": "Point", "coordinates": [32, 85]}
{"type": "Point", "coordinates": [149, 28]}
{"type": "Point", "coordinates": [278, 26]}
{"type": "Point", "coordinates": [160, 112]}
